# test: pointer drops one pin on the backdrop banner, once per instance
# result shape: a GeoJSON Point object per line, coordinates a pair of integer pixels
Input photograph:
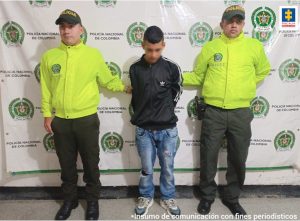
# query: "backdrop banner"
{"type": "Point", "coordinates": [116, 28]}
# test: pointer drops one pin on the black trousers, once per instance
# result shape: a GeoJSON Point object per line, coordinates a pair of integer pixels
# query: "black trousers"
{"type": "Point", "coordinates": [235, 125]}
{"type": "Point", "coordinates": [73, 136]}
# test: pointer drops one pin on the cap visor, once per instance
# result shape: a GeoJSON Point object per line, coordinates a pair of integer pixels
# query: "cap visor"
{"type": "Point", "coordinates": [66, 20]}
{"type": "Point", "coordinates": [236, 14]}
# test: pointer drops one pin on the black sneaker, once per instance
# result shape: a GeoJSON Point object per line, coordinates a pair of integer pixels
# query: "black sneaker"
{"type": "Point", "coordinates": [204, 206]}
{"type": "Point", "coordinates": [235, 208]}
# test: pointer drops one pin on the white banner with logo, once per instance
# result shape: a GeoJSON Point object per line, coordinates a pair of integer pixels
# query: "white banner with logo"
{"type": "Point", "coordinates": [115, 27]}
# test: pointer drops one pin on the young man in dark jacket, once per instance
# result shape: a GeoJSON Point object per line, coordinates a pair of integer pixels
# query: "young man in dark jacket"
{"type": "Point", "coordinates": [157, 86]}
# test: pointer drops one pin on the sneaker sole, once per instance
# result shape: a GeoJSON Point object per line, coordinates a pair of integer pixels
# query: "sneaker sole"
{"type": "Point", "coordinates": [146, 211]}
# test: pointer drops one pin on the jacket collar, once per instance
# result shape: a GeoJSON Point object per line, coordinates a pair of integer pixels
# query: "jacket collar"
{"type": "Point", "coordinates": [66, 47]}
{"type": "Point", "coordinates": [232, 40]}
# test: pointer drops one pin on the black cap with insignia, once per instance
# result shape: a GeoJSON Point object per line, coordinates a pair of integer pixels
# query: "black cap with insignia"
{"type": "Point", "coordinates": [69, 17]}
{"type": "Point", "coordinates": [233, 10]}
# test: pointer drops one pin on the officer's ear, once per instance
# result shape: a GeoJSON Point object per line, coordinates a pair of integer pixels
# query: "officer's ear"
{"type": "Point", "coordinates": [243, 22]}
{"type": "Point", "coordinates": [221, 24]}
{"type": "Point", "coordinates": [81, 29]}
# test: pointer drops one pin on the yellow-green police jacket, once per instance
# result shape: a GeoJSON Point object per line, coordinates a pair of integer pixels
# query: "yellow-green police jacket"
{"type": "Point", "coordinates": [228, 71]}
{"type": "Point", "coordinates": [69, 81]}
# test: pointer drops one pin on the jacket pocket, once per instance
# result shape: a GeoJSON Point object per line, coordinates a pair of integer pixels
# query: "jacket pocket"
{"type": "Point", "coordinates": [140, 131]}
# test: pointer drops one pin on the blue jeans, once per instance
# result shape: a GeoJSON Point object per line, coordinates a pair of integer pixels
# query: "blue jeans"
{"type": "Point", "coordinates": [163, 143]}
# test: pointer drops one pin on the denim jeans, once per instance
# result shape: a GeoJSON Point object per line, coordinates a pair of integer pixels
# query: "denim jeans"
{"type": "Point", "coordinates": [163, 144]}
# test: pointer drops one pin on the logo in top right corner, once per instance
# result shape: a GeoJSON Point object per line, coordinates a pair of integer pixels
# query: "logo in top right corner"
{"type": "Point", "coordinates": [288, 18]}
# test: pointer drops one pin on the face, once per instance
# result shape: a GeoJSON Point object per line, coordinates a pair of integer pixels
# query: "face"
{"type": "Point", "coordinates": [233, 27]}
{"type": "Point", "coordinates": [70, 33]}
{"type": "Point", "coordinates": [153, 51]}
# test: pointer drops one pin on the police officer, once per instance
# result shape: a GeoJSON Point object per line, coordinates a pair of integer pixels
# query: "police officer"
{"type": "Point", "coordinates": [228, 70]}
{"type": "Point", "coordinates": [70, 75]}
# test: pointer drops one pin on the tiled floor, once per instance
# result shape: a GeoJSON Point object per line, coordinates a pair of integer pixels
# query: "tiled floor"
{"type": "Point", "coordinates": [122, 209]}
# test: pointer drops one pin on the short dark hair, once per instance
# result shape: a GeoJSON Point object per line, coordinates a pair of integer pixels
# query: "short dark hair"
{"type": "Point", "coordinates": [153, 34]}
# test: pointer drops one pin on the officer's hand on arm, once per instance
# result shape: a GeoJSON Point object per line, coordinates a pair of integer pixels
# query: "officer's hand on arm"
{"type": "Point", "coordinates": [47, 124]}
{"type": "Point", "coordinates": [128, 89]}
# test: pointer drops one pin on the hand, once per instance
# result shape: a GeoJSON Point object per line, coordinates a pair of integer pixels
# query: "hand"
{"type": "Point", "coordinates": [128, 89]}
{"type": "Point", "coordinates": [47, 124]}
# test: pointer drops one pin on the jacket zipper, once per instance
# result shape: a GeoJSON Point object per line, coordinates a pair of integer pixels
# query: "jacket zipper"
{"type": "Point", "coordinates": [151, 86]}
{"type": "Point", "coordinates": [226, 76]}
{"type": "Point", "coordinates": [65, 89]}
